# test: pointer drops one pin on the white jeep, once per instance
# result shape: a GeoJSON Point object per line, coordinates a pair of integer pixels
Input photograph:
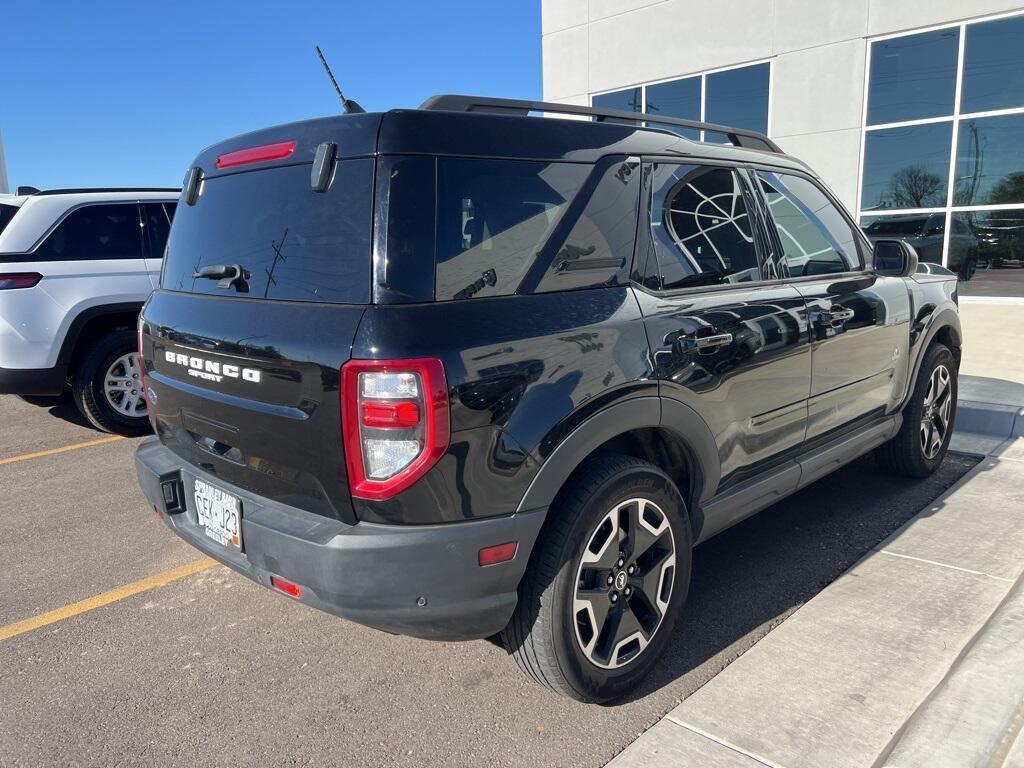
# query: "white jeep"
{"type": "Point", "coordinates": [76, 266]}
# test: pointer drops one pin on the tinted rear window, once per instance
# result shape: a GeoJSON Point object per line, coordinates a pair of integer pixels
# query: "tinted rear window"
{"type": "Point", "coordinates": [295, 244]}
{"type": "Point", "coordinates": [492, 217]}
{"type": "Point", "coordinates": [6, 214]}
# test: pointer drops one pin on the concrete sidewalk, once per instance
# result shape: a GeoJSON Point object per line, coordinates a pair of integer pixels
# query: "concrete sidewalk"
{"type": "Point", "coordinates": [914, 657]}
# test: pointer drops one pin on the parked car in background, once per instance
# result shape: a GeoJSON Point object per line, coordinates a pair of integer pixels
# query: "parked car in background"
{"type": "Point", "coordinates": [926, 232]}
{"type": "Point", "coordinates": [460, 371]}
{"type": "Point", "coordinates": [76, 266]}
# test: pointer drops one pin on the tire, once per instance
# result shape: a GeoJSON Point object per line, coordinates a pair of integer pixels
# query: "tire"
{"type": "Point", "coordinates": [918, 448]}
{"type": "Point", "coordinates": [551, 629]}
{"type": "Point", "coordinates": [89, 380]}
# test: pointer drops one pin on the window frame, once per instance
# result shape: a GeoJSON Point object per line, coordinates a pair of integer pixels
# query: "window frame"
{"type": "Point", "coordinates": [948, 209]}
{"type": "Point", "coordinates": [143, 246]}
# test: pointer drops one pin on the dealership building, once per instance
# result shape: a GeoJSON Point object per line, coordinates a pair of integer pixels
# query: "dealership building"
{"type": "Point", "coordinates": [912, 112]}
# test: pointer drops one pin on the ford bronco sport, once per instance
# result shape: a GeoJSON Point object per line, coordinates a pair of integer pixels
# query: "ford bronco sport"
{"type": "Point", "coordinates": [465, 371]}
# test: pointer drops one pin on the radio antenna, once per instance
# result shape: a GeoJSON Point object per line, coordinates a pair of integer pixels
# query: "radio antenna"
{"type": "Point", "coordinates": [347, 104]}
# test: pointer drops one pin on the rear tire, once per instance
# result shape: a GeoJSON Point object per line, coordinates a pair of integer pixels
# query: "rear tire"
{"type": "Point", "coordinates": [919, 447]}
{"type": "Point", "coordinates": [568, 632]}
{"type": "Point", "coordinates": [107, 385]}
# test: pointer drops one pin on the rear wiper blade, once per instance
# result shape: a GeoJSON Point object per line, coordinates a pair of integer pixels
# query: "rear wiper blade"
{"type": "Point", "coordinates": [229, 275]}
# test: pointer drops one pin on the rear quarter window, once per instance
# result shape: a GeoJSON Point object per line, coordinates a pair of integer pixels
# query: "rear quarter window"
{"type": "Point", "coordinates": [6, 214]}
{"type": "Point", "coordinates": [511, 226]}
{"type": "Point", "coordinates": [295, 244]}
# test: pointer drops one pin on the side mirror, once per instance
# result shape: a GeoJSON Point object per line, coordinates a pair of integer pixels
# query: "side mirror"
{"type": "Point", "coordinates": [895, 258]}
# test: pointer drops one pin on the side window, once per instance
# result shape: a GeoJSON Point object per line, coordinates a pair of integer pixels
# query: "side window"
{"type": "Point", "coordinates": [156, 221]}
{"type": "Point", "coordinates": [701, 231]}
{"type": "Point", "coordinates": [493, 216]}
{"type": "Point", "coordinates": [816, 238]}
{"type": "Point", "coordinates": [598, 249]}
{"type": "Point", "coordinates": [95, 232]}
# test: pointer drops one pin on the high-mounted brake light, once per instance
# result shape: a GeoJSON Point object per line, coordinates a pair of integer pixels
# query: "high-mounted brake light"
{"type": "Point", "coordinates": [19, 280]}
{"type": "Point", "coordinates": [261, 154]}
{"type": "Point", "coordinates": [396, 423]}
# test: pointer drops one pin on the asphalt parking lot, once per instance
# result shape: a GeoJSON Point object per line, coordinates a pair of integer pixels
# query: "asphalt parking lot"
{"type": "Point", "coordinates": [210, 669]}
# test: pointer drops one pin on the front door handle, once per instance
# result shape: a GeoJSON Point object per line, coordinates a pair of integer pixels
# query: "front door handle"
{"type": "Point", "coordinates": [704, 343]}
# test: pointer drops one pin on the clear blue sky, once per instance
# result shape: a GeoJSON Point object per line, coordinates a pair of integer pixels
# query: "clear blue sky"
{"type": "Point", "coordinates": [126, 93]}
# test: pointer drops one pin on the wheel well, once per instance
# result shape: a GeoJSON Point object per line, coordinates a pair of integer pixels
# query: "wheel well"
{"type": "Point", "coordinates": [665, 450]}
{"type": "Point", "coordinates": [948, 336]}
{"type": "Point", "coordinates": [99, 326]}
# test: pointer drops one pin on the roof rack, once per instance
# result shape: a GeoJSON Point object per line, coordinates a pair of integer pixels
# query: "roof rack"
{"type": "Point", "coordinates": [79, 190]}
{"type": "Point", "coordinates": [456, 103]}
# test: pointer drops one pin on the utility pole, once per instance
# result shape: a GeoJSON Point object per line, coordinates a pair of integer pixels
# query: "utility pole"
{"type": "Point", "coordinates": [4, 189]}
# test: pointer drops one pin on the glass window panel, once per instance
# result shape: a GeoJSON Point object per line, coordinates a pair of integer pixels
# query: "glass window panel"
{"type": "Point", "coordinates": [816, 238]}
{"type": "Point", "coordinates": [989, 161]}
{"type": "Point", "coordinates": [679, 98]}
{"type": "Point", "coordinates": [738, 98]}
{"type": "Point", "coordinates": [701, 231]}
{"type": "Point", "coordinates": [993, 66]}
{"type": "Point", "coordinates": [986, 248]}
{"type": "Point", "coordinates": [493, 216]}
{"type": "Point", "coordinates": [628, 100]}
{"type": "Point", "coordinates": [924, 231]}
{"type": "Point", "coordinates": [906, 167]}
{"type": "Point", "coordinates": [95, 232]}
{"type": "Point", "coordinates": [913, 77]}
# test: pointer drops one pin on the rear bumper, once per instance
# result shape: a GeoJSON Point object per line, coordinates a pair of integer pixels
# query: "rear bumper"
{"type": "Point", "coordinates": [373, 574]}
{"type": "Point", "coordinates": [33, 381]}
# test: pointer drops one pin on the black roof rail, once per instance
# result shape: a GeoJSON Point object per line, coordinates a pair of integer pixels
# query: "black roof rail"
{"type": "Point", "coordinates": [80, 190]}
{"type": "Point", "coordinates": [740, 137]}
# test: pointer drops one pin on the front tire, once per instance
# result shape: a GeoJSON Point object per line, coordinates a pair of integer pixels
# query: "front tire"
{"type": "Point", "coordinates": [107, 385]}
{"type": "Point", "coordinates": [919, 447]}
{"type": "Point", "coordinates": [606, 582]}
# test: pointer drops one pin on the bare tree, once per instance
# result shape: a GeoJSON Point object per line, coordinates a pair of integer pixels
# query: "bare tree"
{"type": "Point", "coordinates": [915, 187]}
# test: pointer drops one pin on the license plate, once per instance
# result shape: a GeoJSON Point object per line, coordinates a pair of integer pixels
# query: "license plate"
{"type": "Point", "coordinates": [219, 514]}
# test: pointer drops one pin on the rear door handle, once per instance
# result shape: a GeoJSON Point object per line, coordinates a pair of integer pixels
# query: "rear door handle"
{"type": "Point", "coordinates": [707, 342]}
{"type": "Point", "coordinates": [831, 317]}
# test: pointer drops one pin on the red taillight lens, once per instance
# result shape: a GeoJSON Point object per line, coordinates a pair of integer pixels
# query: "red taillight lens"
{"type": "Point", "coordinates": [261, 154]}
{"type": "Point", "coordinates": [19, 280]}
{"type": "Point", "coordinates": [499, 553]}
{"type": "Point", "coordinates": [286, 587]}
{"type": "Point", "coordinates": [381, 414]}
{"type": "Point", "coordinates": [395, 423]}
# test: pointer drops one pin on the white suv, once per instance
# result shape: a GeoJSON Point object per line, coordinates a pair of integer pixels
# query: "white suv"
{"type": "Point", "coordinates": [76, 266]}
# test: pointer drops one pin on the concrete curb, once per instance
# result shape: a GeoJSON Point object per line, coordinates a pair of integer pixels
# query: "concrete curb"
{"type": "Point", "coordinates": [975, 715]}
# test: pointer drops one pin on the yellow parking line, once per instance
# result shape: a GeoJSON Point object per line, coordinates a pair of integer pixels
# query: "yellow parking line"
{"type": "Point", "coordinates": [53, 451]}
{"type": "Point", "coordinates": [105, 598]}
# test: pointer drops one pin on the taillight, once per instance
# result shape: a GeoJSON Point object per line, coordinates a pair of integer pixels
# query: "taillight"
{"type": "Point", "coordinates": [395, 423]}
{"type": "Point", "coordinates": [261, 154]}
{"type": "Point", "coordinates": [19, 280]}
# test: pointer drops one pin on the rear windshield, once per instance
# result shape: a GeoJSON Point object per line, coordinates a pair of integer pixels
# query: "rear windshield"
{"type": "Point", "coordinates": [6, 214]}
{"type": "Point", "coordinates": [293, 244]}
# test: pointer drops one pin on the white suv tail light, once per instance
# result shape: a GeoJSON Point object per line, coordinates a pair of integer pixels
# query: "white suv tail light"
{"type": "Point", "coordinates": [395, 423]}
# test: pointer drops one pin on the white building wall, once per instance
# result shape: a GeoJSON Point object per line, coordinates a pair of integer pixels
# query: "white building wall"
{"type": "Point", "coordinates": [818, 49]}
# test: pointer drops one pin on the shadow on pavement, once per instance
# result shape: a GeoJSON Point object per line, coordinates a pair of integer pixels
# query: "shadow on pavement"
{"type": "Point", "coordinates": [62, 407]}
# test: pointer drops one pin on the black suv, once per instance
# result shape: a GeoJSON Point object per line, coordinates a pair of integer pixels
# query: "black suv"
{"type": "Point", "coordinates": [465, 371]}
